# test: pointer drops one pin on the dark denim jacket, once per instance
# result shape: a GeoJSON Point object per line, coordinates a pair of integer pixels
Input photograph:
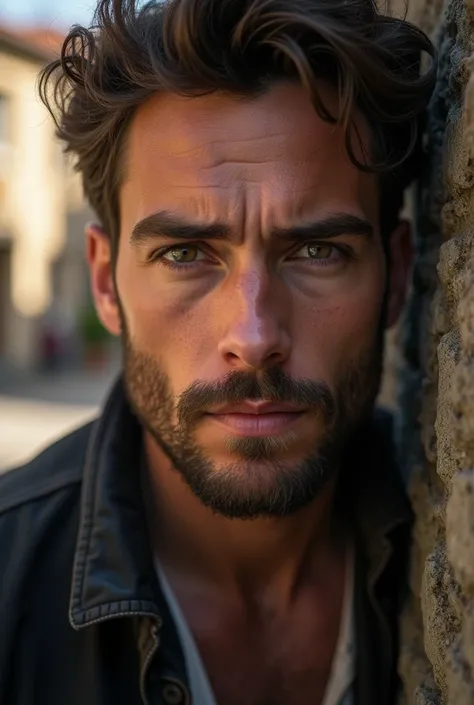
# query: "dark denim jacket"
{"type": "Point", "coordinates": [82, 617]}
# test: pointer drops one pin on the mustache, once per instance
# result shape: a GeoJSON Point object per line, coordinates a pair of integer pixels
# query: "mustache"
{"type": "Point", "coordinates": [272, 385]}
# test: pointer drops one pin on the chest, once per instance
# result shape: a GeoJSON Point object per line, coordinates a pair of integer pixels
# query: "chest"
{"type": "Point", "coordinates": [271, 667]}
{"type": "Point", "coordinates": [270, 659]}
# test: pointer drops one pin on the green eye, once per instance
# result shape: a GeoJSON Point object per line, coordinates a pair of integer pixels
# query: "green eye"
{"type": "Point", "coordinates": [183, 254]}
{"type": "Point", "coordinates": [320, 251]}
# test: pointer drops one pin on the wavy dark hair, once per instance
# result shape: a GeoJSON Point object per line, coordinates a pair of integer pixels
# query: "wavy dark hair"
{"type": "Point", "coordinates": [194, 47]}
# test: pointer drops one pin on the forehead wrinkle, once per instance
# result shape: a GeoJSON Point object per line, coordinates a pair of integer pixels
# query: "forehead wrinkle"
{"type": "Point", "coordinates": [171, 161]}
{"type": "Point", "coordinates": [233, 142]}
{"type": "Point", "coordinates": [218, 155]}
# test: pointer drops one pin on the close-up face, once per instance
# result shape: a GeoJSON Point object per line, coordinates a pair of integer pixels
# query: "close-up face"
{"type": "Point", "coordinates": [251, 293]}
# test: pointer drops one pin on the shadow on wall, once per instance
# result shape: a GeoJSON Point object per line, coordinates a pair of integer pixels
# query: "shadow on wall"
{"type": "Point", "coordinates": [388, 391]}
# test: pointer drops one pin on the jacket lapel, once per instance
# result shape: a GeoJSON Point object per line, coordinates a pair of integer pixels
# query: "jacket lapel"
{"type": "Point", "coordinates": [382, 520]}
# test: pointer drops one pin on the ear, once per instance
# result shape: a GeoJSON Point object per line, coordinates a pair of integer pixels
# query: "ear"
{"type": "Point", "coordinates": [400, 259]}
{"type": "Point", "coordinates": [99, 259]}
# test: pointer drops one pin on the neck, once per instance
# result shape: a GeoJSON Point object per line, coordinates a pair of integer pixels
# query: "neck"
{"type": "Point", "coordinates": [242, 555]}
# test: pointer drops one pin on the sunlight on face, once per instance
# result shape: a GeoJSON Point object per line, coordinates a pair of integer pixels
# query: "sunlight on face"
{"type": "Point", "coordinates": [250, 272]}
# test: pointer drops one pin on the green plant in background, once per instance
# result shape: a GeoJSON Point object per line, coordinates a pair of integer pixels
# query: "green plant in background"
{"type": "Point", "coordinates": [91, 329]}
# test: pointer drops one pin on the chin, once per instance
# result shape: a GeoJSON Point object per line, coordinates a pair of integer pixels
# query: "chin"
{"type": "Point", "coordinates": [249, 488]}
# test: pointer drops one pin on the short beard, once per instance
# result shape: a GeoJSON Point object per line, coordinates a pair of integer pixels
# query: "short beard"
{"type": "Point", "coordinates": [258, 483]}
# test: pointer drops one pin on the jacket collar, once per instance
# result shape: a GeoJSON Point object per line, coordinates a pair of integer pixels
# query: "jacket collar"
{"type": "Point", "coordinates": [372, 491]}
{"type": "Point", "coordinates": [113, 572]}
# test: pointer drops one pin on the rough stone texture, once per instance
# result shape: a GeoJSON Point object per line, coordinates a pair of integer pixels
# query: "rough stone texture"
{"type": "Point", "coordinates": [437, 389]}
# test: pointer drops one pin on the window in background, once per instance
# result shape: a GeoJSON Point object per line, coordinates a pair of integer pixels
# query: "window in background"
{"type": "Point", "coordinates": [4, 119]}
{"type": "Point", "coordinates": [6, 149]}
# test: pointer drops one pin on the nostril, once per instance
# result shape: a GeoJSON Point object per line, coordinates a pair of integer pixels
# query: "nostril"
{"type": "Point", "coordinates": [273, 359]}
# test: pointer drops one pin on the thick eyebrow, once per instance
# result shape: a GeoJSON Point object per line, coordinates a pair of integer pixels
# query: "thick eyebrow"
{"type": "Point", "coordinates": [332, 226]}
{"type": "Point", "coordinates": [164, 224]}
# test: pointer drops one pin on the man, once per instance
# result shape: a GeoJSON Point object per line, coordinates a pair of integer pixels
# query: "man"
{"type": "Point", "coordinates": [231, 530]}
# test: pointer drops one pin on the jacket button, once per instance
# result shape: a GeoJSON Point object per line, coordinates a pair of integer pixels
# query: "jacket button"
{"type": "Point", "coordinates": [173, 694]}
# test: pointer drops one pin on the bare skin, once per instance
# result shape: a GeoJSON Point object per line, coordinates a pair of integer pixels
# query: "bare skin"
{"type": "Point", "coordinates": [266, 633]}
{"type": "Point", "coordinates": [263, 597]}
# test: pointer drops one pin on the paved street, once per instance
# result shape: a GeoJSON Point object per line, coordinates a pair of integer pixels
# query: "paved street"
{"type": "Point", "coordinates": [37, 410]}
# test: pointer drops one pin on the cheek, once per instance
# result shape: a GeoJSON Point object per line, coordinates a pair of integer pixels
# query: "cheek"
{"type": "Point", "coordinates": [165, 322]}
{"type": "Point", "coordinates": [360, 305]}
{"type": "Point", "coordinates": [361, 312]}
{"type": "Point", "coordinates": [338, 329]}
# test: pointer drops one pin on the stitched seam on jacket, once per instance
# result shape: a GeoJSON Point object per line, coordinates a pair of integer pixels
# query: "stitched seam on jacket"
{"type": "Point", "coordinates": [144, 609]}
{"type": "Point", "coordinates": [95, 441]}
{"type": "Point", "coordinates": [85, 530]}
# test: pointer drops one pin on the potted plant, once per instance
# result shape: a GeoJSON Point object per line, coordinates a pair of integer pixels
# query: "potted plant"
{"type": "Point", "coordinates": [95, 339]}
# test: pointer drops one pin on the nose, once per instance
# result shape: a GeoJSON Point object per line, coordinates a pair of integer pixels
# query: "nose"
{"type": "Point", "coordinates": [255, 336]}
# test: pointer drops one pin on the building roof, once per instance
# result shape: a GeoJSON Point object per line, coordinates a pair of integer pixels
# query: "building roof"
{"type": "Point", "coordinates": [38, 44]}
{"type": "Point", "coordinates": [47, 39]}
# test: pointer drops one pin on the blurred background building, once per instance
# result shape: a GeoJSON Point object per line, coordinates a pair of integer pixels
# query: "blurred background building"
{"type": "Point", "coordinates": [43, 282]}
{"type": "Point", "coordinates": [56, 360]}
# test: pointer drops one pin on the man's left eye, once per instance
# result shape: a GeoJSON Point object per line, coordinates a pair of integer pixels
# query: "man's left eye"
{"type": "Point", "coordinates": [316, 251]}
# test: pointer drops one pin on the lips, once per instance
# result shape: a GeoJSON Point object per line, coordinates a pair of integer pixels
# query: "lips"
{"type": "Point", "coordinates": [258, 408]}
{"type": "Point", "coordinates": [257, 418]}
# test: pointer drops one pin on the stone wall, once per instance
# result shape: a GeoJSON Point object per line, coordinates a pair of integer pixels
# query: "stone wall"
{"type": "Point", "coordinates": [437, 387]}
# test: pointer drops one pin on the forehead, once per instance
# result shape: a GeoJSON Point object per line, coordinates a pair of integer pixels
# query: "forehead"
{"type": "Point", "coordinates": [219, 156]}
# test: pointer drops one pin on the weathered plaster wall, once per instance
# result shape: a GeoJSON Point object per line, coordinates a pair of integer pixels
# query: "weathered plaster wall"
{"type": "Point", "coordinates": [437, 392]}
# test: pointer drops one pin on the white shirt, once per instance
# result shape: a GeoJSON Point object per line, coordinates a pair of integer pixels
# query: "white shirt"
{"type": "Point", "coordinates": [339, 689]}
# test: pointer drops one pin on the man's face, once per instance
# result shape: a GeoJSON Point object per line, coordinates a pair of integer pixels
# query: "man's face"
{"type": "Point", "coordinates": [251, 282]}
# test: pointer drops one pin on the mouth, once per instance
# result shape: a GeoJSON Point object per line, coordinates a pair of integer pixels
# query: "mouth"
{"type": "Point", "coordinates": [257, 419]}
